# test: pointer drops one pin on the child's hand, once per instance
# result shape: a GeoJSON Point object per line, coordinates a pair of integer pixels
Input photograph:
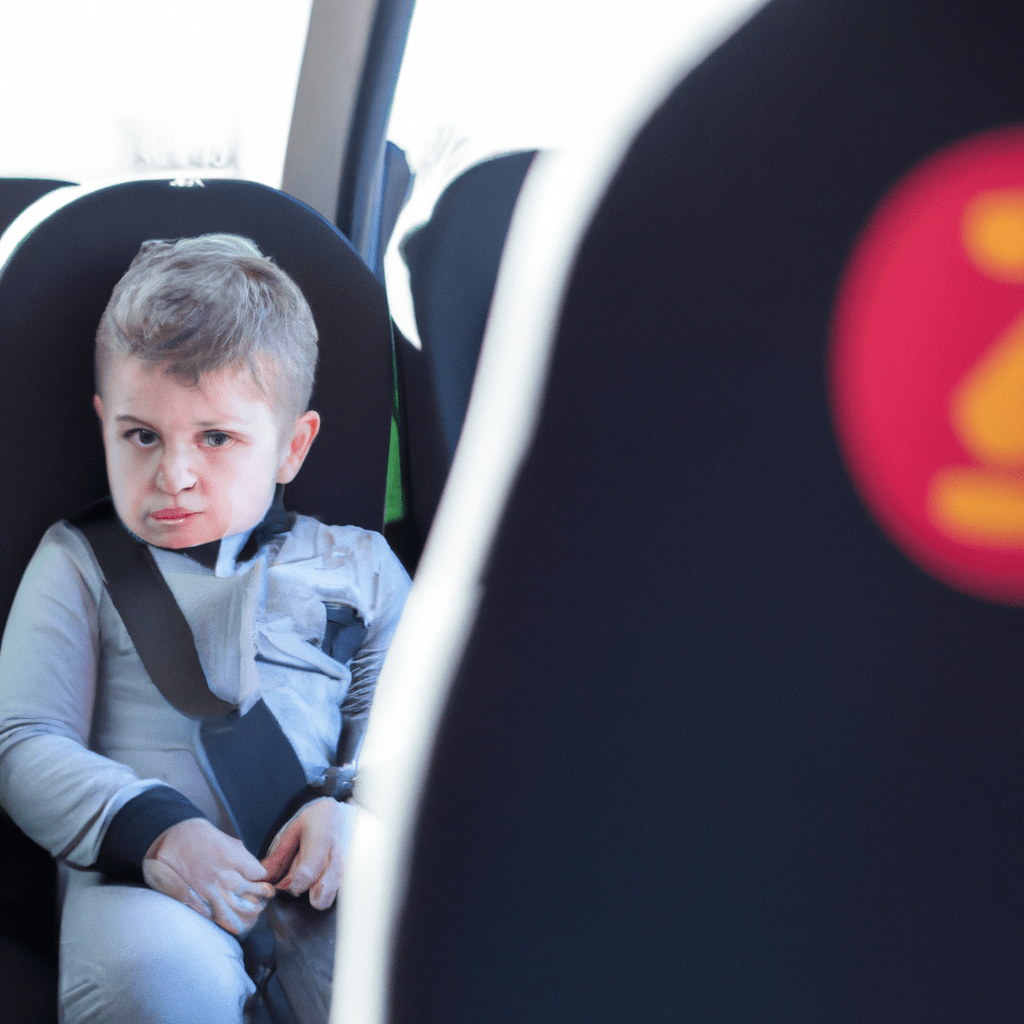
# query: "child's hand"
{"type": "Point", "coordinates": [209, 871]}
{"type": "Point", "coordinates": [307, 852]}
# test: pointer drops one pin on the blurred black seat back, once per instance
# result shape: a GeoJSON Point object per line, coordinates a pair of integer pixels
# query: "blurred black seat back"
{"type": "Point", "coordinates": [16, 194]}
{"type": "Point", "coordinates": [715, 750]}
{"type": "Point", "coordinates": [453, 264]}
{"type": "Point", "coordinates": [55, 287]}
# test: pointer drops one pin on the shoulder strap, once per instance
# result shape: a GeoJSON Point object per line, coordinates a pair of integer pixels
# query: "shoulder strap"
{"type": "Point", "coordinates": [150, 613]}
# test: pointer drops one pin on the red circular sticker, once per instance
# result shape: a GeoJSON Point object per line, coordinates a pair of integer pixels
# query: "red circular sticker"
{"type": "Point", "coordinates": [927, 365]}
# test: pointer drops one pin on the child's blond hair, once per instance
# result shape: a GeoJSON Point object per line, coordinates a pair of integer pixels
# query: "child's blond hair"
{"type": "Point", "coordinates": [196, 305]}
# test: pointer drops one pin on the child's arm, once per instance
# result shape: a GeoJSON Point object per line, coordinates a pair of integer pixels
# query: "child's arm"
{"type": "Point", "coordinates": [60, 792]}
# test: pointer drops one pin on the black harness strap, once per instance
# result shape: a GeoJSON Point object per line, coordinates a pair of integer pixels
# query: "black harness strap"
{"type": "Point", "coordinates": [150, 613]}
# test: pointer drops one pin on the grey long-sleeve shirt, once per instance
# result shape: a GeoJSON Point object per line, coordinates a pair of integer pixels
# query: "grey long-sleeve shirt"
{"type": "Point", "coordinates": [83, 730]}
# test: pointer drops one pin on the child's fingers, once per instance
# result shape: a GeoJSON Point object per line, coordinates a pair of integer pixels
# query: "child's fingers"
{"type": "Point", "coordinates": [239, 858]}
{"type": "Point", "coordinates": [252, 870]}
{"type": "Point", "coordinates": [254, 892]}
{"type": "Point", "coordinates": [239, 913]}
{"type": "Point", "coordinates": [233, 914]}
{"type": "Point", "coordinates": [282, 852]}
{"type": "Point", "coordinates": [307, 852]}
{"type": "Point", "coordinates": [281, 864]}
{"type": "Point", "coordinates": [260, 901]}
{"type": "Point", "coordinates": [324, 890]}
{"type": "Point", "coordinates": [309, 864]}
{"type": "Point", "coordinates": [236, 903]}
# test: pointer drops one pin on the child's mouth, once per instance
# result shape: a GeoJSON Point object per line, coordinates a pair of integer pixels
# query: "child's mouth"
{"type": "Point", "coordinates": [172, 515]}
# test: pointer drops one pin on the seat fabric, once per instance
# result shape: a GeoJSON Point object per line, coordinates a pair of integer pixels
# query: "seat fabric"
{"type": "Point", "coordinates": [715, 749]}
{"type": "Point", "coordinates": [16, 194]}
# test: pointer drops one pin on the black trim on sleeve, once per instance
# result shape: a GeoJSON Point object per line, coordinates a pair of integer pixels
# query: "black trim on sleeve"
{"type": "Point", "coordinates": [134, 827]}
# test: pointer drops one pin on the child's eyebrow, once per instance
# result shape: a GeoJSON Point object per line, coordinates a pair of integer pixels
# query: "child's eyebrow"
{"type": "Point", "coordinates": [225, 424]}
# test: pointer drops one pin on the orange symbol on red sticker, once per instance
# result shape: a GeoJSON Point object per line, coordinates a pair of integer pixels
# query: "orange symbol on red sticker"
{"type": "Point", "coordinates": [927, 366]}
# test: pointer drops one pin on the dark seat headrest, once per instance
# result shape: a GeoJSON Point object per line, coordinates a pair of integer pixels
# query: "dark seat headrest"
{"type": "Point", "coordinates": [18, 193]}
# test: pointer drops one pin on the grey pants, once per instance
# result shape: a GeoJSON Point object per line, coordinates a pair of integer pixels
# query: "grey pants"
{"type": "Point", "coordinates": [128, 953]}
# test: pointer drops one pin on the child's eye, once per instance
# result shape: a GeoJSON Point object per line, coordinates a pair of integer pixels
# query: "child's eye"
{"type": "Point", "coordinates": [216, 438]}
{"type": "Point", "coordinates": [143, 437]}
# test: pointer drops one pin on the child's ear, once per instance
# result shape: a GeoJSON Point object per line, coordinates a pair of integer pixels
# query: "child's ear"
{"type": "Point", "coordinates": [97, 404]}
{"type": "Point", "coordinates": [307, 426]}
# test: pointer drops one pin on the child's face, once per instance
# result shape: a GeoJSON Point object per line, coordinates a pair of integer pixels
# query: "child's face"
{"type": "Point", "coordinates": [188, 465]}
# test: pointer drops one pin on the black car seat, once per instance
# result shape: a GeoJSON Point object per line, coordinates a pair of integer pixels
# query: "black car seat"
{"type": "Point", "coordinates": [453, 263]}
{"type": "Point", "coordinates": [53, 289]}
{"type": "Point", "coordinates": [28, 928]}
{"type": "Point", "coordinates": [18, 193]}
{"type": "Point", "coordinates": [719, 743]}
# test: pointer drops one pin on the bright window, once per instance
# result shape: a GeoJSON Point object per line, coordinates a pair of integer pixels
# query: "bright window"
{"type": "Point", "coordinates": [116, 88]}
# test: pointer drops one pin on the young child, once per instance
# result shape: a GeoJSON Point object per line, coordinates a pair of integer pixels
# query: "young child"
{"type": "Point", "coordinates": [204, 367]}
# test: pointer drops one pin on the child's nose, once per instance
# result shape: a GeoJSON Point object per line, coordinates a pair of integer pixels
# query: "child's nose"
{"type": "Point", "coordinates": [175, 472]}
